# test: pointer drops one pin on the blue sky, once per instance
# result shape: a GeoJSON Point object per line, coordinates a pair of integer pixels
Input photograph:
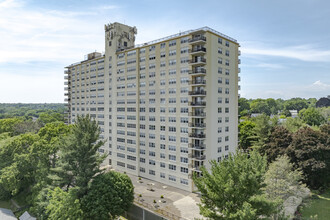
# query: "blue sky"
{"type": "Point", "coordinates": [285, 44]}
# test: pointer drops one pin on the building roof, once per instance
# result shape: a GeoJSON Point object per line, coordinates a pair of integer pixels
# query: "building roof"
{"type": "Point", "coordinates": [26, 216]}
{"type": "Point", "coordinates": [7, 214]}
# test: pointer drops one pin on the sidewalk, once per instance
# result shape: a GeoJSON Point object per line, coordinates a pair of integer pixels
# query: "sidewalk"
{"type": "Point", "coordinates": [179, 203]}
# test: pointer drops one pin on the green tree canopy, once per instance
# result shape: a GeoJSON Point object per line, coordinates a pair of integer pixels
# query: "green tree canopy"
{"type": "Point", "coordinates": [277, 143]}
{"type": "Point", "coordinates": [109, 196]}
{"type": "Point", "coordinates": [310, 152]}
{"type": "Point", "coordinates": [79, 159]}
{"type": "Point", "coordinates": [63, 205]}
{"type": "Point", "coordinates": [311, 116]}
{"type": "Point", "coordinates": [232, 188]}
{"type": "Point", "coordinates": [246, 134]}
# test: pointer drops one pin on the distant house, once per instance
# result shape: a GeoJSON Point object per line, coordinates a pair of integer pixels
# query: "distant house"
{"type": "Point", "coordinates": [323, 102]}
{"type": "Point", "coordinates": [294, 113]}
{"type": "Point", "coordinates": [7, 214]}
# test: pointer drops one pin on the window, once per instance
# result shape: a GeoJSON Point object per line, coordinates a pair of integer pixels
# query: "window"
{"type": "Point", "coordinates": [184, 181]}
{"type": "Point", "coordinates": [172, 43]}
{"type": "Point", "coordinates": [227, 72]}
{"type": "Point", "coordinates": [171, 167]}
{"type": "Point", "coordinates": [220, 80]}
{"type": "Point", "coordinates": [226, 147]}
{"type": "Point", "coordinates": [227, 62]}
{"type": "Point", "coordinates": [172, 52]}
{"type": "Point", "coordinates": [220, 50]}
{"type": "Point", "coordinates": [152, 172]}
{"type": "Point", "coordinates": [220, 60]}
{"type": "Point", "coordinates": [162, 165]}
{"type": "Point", "coordinates": [219, 40]}
{"type": "Point", "coordinates": [227, 43]}
{"type": "Point", "coordinates": [227, 53]}
{"type": "Point", "coordinates": [227, 91]}
{"type": "Point", "coordinates": [152, 162]}
{"type": "Point", "coordinates": [162, 45]}
{"type": "Point", "coordinates": [219, 149]}
{"type": "Point", "coordinates": [172, 178]}
{"type": "Point", "coordinates": [226, 110]}
{"type": "Point", "coordinates": [184, 160]}
{"type": "Point", "coordinates": [219, 110]}
{"type": "Point", "coordinates": [162, 175]}
{"type": "Point", "coordinates": [219, 140]}
{"type": "Point", "coordinates": [184, 170]}
{"type": "Point", "coordinates": [219, 100]}
{"type": "Point", "coordinates": [219, 90]}
{"type": "Point", "coordinates": [184, 150]}
{"type": "Point", "coordinates": [220, 70]}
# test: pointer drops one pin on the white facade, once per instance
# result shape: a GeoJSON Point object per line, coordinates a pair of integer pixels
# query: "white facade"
{"type": "Point", "coordinates": [165, 107]}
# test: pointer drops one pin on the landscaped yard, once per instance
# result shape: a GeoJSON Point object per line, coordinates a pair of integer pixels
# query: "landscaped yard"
{"type": "Point", "coordinates": [319, 206]}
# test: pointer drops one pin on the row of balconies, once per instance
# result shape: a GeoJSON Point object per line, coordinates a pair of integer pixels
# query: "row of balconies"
{"type": "Point", "coordinates": [197, 146]}
{"type": "Point", "coordinates": [196, 135]}
{"type": "Point", "coordinates": [199, 60]}
{"type": "Point", "coordinates": [197, 93]}
{"type": "Point", "coordinates": [197, 82]}
{"type": "Point", "coordinates": [197, 39]}
{"type": "Point", "coordinates": [197, 114]}
{"type": "Point", "coordinates": [197, 103]}
{"type": "Point", "coordinates": [197, 125]}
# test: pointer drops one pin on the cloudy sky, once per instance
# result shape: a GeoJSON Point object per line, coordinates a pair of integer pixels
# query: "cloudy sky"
{"type": "Point", "coordinates": [285, 44]}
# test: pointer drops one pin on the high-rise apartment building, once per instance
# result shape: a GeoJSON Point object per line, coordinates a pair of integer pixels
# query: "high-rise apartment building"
{"type": "Point", "coordinates": [165, 107]}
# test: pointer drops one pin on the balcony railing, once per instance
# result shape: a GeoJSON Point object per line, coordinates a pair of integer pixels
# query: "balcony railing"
{"type": "Point", "coordinates": [199, 157]}
{"type": "Point", "coordinates": [197, 93]}
{"type": "Point", "coordinates": [66, 94]}
{"type": "Point", "coordinates": [197, 146]}
{"type": "Point", "coordinates": [66, 88]}
{"type": "Point", "coordinates": [195, 39]}
{"type": "Point", "coordinates": [197, 61]}
{"type": "Point", "coordinates": [197, 50]}
{"type": "Point", "coordinates": [197, 125]}
{"type": "Point", "coordinates": [197, 82]}
{"type": "Point", "coordinates": [197, 114]}
{"type": "Point", "coordinates": [198, 71]}
{"type": "Point", "coordinates": [195, 103]}
{"type": "Point", "coordinates": [195, 135]}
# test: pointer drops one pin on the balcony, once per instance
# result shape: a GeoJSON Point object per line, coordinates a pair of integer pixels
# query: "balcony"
{"type": "Point", "coordinates": [197, 146]}
{"type": "Point", "coordinates": [197, 125]}
{"type": "Point", "coordinates": [239, 70]}
{"type": "Point", "coordinates": [197, 93]}
{"type": "Point", "coordinates": [199, 61]}
{"type": "Point", "coordinates": [66, 88]}
{"type": "Point", "coordinates": [197, 114]}
{"type": "Point", "coordinates": [66, 94]}
{"type": "Point", "coordinates": [200, 50]}
{"type": "Point", "coordinates": [66, 77]}
{"type": "Point", "coordinates": [66, 72]}
{"type": "Point", "coordinates": [196, 135]}
{"type": "Point", "coordinates": [67, 100]}
{"type": "Point", "coordinates": [196, 103]}
{"type": "Point", "coordinates": [197, 82]}
{"type": "Point", "coordinates": [197, 71]}
{"type": "Point", "coordinates": [195, 40]}
{"type": "Point", "coordinates": [66, 83]}
{"type": "Point", "coordinates": [196, 168]}
{"type": "Point", "coordinates": [239, 79]}
{"type": "Point", "coordinates": [199, 157]}
{"type": "Point", "coordinates": [239, 61]}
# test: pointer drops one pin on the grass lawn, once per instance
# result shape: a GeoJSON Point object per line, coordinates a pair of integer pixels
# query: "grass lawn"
{"type": "Point", "coordinates": [319, 206]}
{"type": "Point", "coordinates": [5, 204]}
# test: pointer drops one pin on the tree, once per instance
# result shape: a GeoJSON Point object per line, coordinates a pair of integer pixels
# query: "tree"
{"type": "Point", "coordinates": [277, 143]}
{"type": "Point", "coordinates": [311, 116]}
{"type": "Point", "coordinates": [109, 196]}
{"type": "Point", "coordinates": [79, 159]}
{"type": "Point", "coordinates": [48, 117]}
{"type": "Point", "coordinates": [295, 104]}
{"type": "Point", "coordinates": [244, 106]}
{"type": "Point", "coordinates": [8, 124]}
{"type": "Point", "coordinates": [246, 134]}
{"type": "Point", "coordinates": [260, 106]}
{"type": "Point", "coordinates": [293, 124]}
{"type": "Point", "coordinates": [283, 181]}
{"type": "Point", "coordinates": [310, 151]}
{"type": "Point", "coordinates": [232, 188]}
{"type": "Point", "coordinates": [262, 130]}
{"type": "Point", "coordinates": [63, 205]}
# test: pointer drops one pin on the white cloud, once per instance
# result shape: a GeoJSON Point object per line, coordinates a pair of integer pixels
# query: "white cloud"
{"type": "Point", "coordinates": [301, 52]}
{"type": "Point", "coordinates": [319, 86]}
